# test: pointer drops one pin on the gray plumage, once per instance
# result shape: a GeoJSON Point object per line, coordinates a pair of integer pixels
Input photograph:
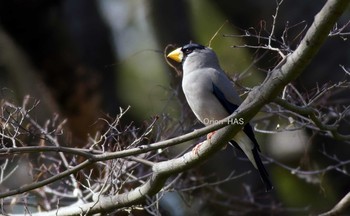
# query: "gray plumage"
{"type": "Point", "coordinates": [212, 97]}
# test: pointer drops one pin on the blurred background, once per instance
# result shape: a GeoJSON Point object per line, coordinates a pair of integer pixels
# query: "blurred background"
{"type": "Point", "coordinates": [84, 59]}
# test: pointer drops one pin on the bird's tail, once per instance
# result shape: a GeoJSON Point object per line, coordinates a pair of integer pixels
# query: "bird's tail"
{"type": "Point", "coordinates": [261, 168]}
{"type": "Point", "coordinates": [251, 150]}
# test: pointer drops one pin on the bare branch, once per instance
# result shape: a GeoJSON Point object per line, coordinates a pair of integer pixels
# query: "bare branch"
{"type": "Point", "coordinates": [314, 117]}
{"type": "Point", "coordinates": [345, 70]}
{"type": "Point", "coordinates": [339, 31]}
{"type": "Point", "coordinates": [340, 207]}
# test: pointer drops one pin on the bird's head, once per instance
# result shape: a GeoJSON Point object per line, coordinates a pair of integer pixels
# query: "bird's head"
{"type": "Point", "coordinates": [194, 56]}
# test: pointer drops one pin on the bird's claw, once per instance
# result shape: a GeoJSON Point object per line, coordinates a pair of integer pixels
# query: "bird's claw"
{"type": "Point", "coordinates": [196, 148]}
{"type": "Point", "coordinates": [209, 135]}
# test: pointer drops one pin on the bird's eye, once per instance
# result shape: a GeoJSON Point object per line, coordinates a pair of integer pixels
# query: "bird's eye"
{"type": "Point", "coordinates": [187, 51]}
{"type": "Point", "coordinates": [189, 48]}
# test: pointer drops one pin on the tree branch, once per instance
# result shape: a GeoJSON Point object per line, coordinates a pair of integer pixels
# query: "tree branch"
{"type": "Point", "coordinates": [340, 207]}
{"type": "Point", "coordinates": [311, 113]}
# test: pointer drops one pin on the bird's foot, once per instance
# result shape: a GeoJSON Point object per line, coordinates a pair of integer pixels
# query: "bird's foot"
{"type": "Point", "coordinates": [196, 148]}
{"type": "Point", "coordinates": [210, 135]}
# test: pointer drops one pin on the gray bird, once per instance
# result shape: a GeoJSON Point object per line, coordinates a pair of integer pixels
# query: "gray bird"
{"type": "Point", "coordinates": [212, 97]}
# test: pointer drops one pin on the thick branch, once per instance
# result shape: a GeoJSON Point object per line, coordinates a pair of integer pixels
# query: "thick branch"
{"type": "Point", "coordinates": [341, 206]}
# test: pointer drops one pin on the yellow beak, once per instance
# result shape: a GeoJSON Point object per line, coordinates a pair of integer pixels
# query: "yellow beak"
{"type": "Point", "coordinates": [176, 55]}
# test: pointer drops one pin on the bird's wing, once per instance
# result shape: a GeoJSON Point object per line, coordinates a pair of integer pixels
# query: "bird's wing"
{"type": "Point", "coordinates": [230, 108]}
{"type": "Point", "coordinates": [242, 143]}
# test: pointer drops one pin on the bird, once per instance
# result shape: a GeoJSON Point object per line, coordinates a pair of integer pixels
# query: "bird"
{"type": "Point", "coordinates": [212, 97]}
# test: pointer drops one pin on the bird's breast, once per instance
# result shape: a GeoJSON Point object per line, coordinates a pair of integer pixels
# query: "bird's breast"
{"type": "Point", "coordinates": [202, 101]}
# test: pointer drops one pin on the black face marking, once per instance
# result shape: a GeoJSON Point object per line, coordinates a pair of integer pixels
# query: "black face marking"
{"type": "Point", "coordinates": [187, 49]}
